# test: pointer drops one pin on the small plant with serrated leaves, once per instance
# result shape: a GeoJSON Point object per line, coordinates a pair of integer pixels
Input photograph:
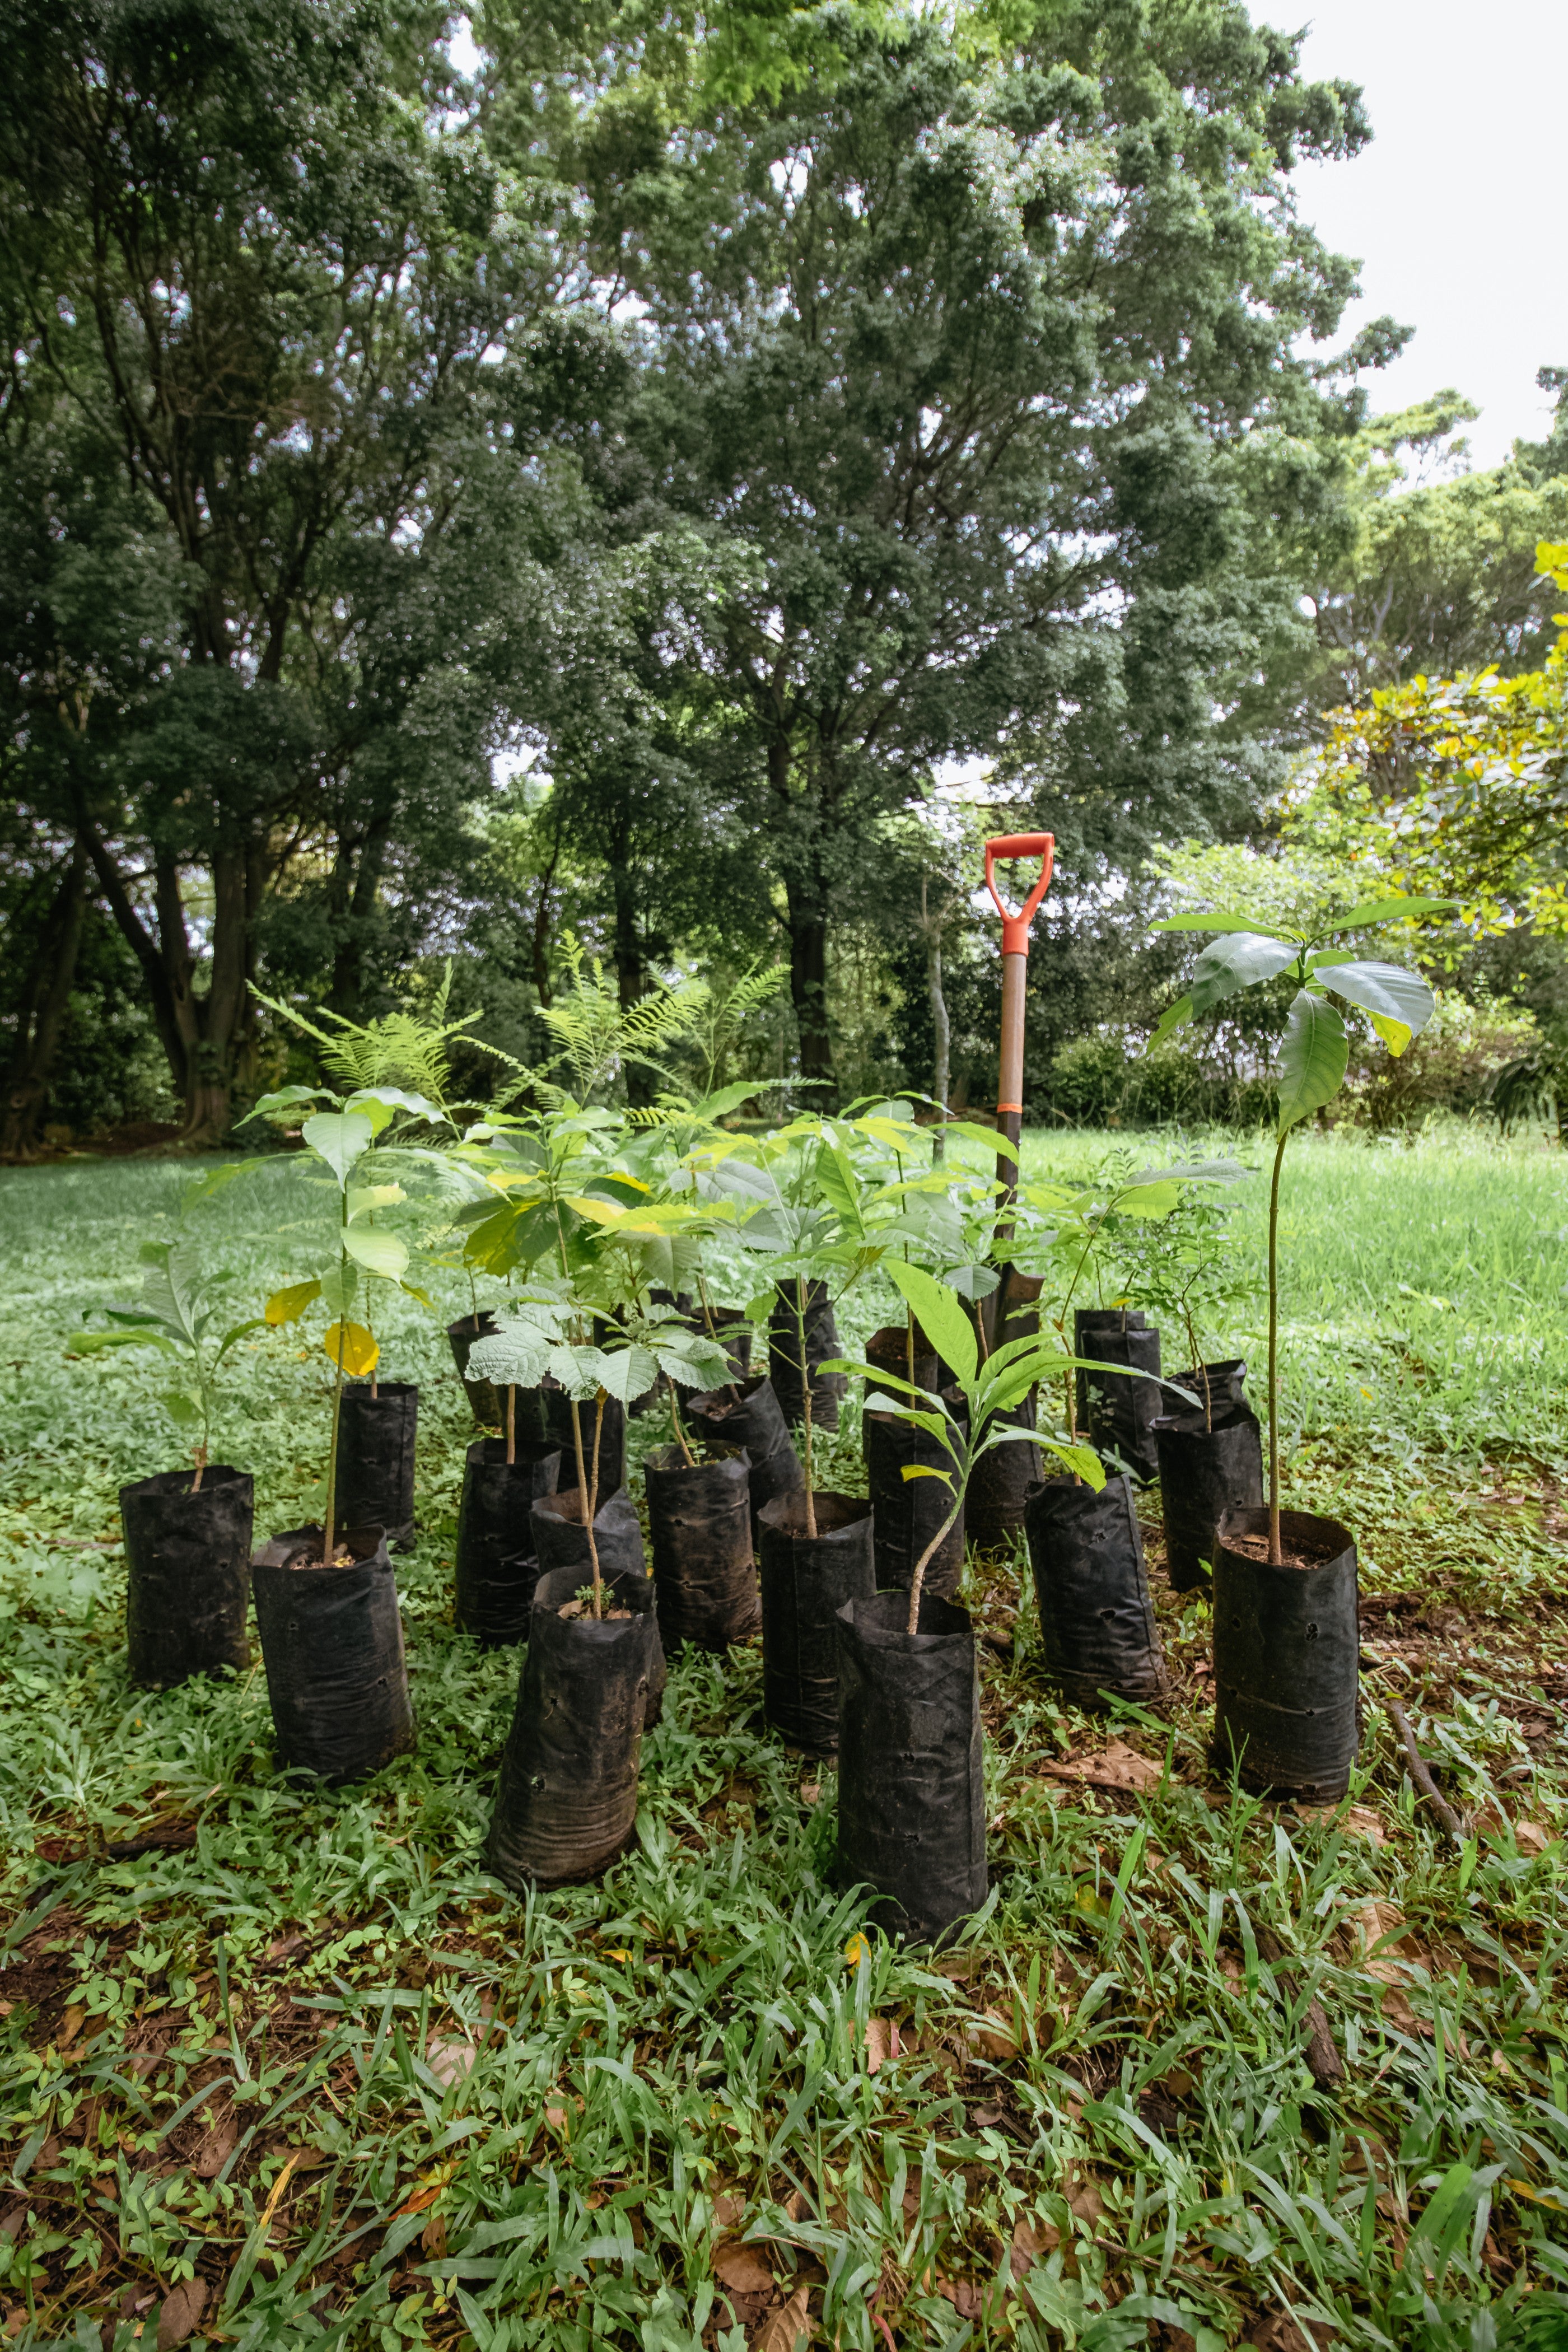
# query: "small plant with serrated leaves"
{"type": "Point", "coordinates": [1184, 1268]}
{"type": "Point", "coordinates": [1314, 1049]}
{"type": "Point", "coordinates": [178, 1315]}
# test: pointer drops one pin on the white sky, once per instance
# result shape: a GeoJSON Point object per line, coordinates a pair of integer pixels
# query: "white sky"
{"type": "Point", "coordinates": [1456, 207]}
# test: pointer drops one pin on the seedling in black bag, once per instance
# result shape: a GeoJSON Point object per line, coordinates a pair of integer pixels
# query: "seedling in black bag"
{"type": "Point", "coordinates": [1313, 1050]}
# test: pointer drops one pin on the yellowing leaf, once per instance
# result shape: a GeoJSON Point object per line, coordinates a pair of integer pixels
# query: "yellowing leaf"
{"type": "Point", "coordinates": [352, 1346]}
{"type": "Point", "coordinates": [1396, 1034]}
{"type": "Point", "coordinates": [855, 1950]}
{"type": "Point", "coordinates": [288, 1306]}
{"type": "Point", "coordinates": [599, 1212]}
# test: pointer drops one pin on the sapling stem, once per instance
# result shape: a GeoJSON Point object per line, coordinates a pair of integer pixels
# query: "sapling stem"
{"type": "Point", "coordinates": [918, 1580]}
{"type": "Point", "coordinates": [511, 1426]}
{"type": "Point", "coordinates": [1276, 1555]}
{"type": "Point", "coordinates": [712, 1333]}
{"type": "Point", "coordinates": [201, 1466]}
{"type": "Point", "coordinates": [593, 1505]}
{"type": "Point", "coordinates": [330, 1530]}
{"type": "Point", "coordinates": [805, 1407]}
{"type": "Point", "coordinates": [679, 1432]}
{"type": "Point", "coordinates": [588, 1500]}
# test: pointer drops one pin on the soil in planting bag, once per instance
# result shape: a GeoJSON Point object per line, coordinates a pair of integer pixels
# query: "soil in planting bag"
{"type": "Point", "coordinates": [1286, 1645]}
{"type": "Point", "coordinates": [487, 1406]}
{"type": "Point", "coordinates": [1120, 1411]}
{"type": "Point", "coordinates": [821, 1343]}
{"type": "Point", "coordinates": [1097, 1621]}
{"type": "Point", "coordinates": [700, 1514]}
{"type": "Point", "coordinates": [910, 1511]}
{"type": "Point", "coordinates": [557, 1410]}
{"type": "Point", "coordinates": [806, 1579]}
{"type": "Point", "coordinates": [748, 1416]}
{"type": "Point", "coordinates": [912, 1797]}
{"type": "Point", "coordinates": [333, 1643]}
{"type": "Point", "coordinates": [1206, 1470]}
{"type": "Point", "coordinates": [566, 1800]}
{"type": "Point", "coordinates": [187, 1573]}
{"type": "Point", "coordinates": [495, 1536]}
{"type": "Point", "coordinates": [376, 1459]}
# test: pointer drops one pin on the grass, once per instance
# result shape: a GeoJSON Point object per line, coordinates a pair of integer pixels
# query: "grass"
{"type": "Point", "coordinates": [313, 2060]}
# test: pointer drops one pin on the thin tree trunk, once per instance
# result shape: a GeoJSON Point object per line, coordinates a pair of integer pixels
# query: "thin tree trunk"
{"type": "Point", "coordinates": [43, 1011]}
{"type": "Point", "coordinates": [941, 1025]}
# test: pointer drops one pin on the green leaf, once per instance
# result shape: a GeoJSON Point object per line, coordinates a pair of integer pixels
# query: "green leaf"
{"type": "Point", "coordinates": [1081, 1460]}
{"type": "Point", "coordinates": [1313, 1057]}
{"type": "Point", "coordinates": [1172, 1018]}
{"type": "Point", "coordinates": [1210, 923]}
{"type": "Point", "coordinates": [339, 1138]}
{"type": "Point", "coordinates": [1399, 1001]}
{"type": "Point", "coordinates": [627, 1374]}
{"type": "Point", "coordinates": [941, 1319]}
{"type": "Point", "coordinates": [972, 1282]}
{"type": "Point", "coordinates": [381, 1105]}
{"type": "Point", "coordinates": [378, 1253]}
{"type": "Point", "coordinates": [1241, 961]}
{"type": "Point", "coordinates": [925, 1470]}
{"type": "Point", "coordinates": [288, 1099]}
{"type": "Point", "coordinates": [1387, 910]}
{"type": "Point", "coordinates": [183, 1408]}
{"type": "Point", "coordinates": [836, 1182]}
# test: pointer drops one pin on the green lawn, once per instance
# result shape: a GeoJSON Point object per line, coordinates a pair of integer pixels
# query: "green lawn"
{"type": "Point", "coordinates": [313, 2057]}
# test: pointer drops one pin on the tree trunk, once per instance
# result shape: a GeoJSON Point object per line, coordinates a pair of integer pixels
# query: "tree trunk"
{"type": "Point", "coordinates": [631, 964]}
{"type": "Point", "coordinates": [808, 978]}
{"type": "Point", "coordinates": [42, 1013]}
{"type": "Point", "coordinates": [940, 1024]}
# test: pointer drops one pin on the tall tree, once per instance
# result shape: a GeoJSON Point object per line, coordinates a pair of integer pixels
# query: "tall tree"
{"type": "Point", "coordinates": [960, 352]}
{"type": "Point", "coordinates": [243, 242]}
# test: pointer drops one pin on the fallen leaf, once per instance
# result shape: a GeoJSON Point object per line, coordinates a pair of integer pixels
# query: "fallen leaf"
{"type": "Point", "coordinates": [71, 2025]}
{"type": "Point", "coordinates": [727, 2209]}
{"type": "Point", "coordinates": [992, 2034]}
{"type": "Point", "coordinates": [796, 2205]}
{"type": "Point", "coordinates": [433, 2236]}
{"type": "Point", "coordinates": [1116, 1766]}
{"type": "Point", "coordinates": [450, 2057]}
{"type": "Point", "coordinates": [182, 2310]}
{"type": "Point", "coordinates": [1085, 2201]}
{"type": "Point", "coordinates": [881, 2042]}
{"type": "Point", "coordinates": [742, 2269]}
{"type": "Point", "coordinates": [216, 2149]}
{"type": "Point", "coordinates": [1398, 2011]}
{"type": "Point", "coordinates": [963, 2295]}
{"type": "Point", "coordinates": [557, 2118]}
{"type": "Point", "coordinates": [1530, 1837]}
{"type": "Point", "coordinates": [787, 2329]}
{"type": "Point", "coordinates": [810, 1791]}
{"type": "Point", "coordinates": [983, 2117]}
{"type": "Point", "coordinates": [1030, 2241]}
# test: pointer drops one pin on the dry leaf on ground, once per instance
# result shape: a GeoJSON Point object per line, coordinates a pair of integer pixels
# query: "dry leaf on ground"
{"type": "Point", "coordinates": [182, 2310]}
{"type": "Point", "coordinates": [217, 2147]}
{"type": "Point", "coordinates": [992, 2035]}
{"type": "Point", "coordinates": [1031, 2240]}
{"type": "Point", "coordinates": [742, 2269]}
{"type": "Point", "coordinates": [450, 2057]}
{"type": "Point", "coordinates": [728, 2208]}
{"type": "Point", "coordinates": [963, 2295]}
{"type": "Point", "coordinates": [1397, 2008]}
{"type": "Point", "coordinates": [883, 2043]}
{"type": "Point", "coordinates": [785, 2329]}
{"type": "Point", "coordinates": [1116, 1766]}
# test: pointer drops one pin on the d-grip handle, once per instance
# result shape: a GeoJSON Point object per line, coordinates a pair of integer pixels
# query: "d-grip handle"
{"type": "Point", "coordinates": [1015, 925]}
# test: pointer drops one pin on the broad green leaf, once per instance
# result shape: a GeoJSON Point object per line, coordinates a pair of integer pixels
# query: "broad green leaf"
{"type": "Point", "coordinates": [972, 1282]}
{"type": "Point", "coordinates": [287, 1305]}
{"type": "Point", "coordinates": [1210, 923]}
{"type": "Point", "coordinates": [1172, 1018]}
{"type": "Point", "coordinates": [1152, 1202]}
{"type": "Point", "coordinates": [289, 1098]}
{"type": "Point", "coordinates": [1399, 1001]}
{"type": "Point", "coordinates": [835, 1181]}
{"type": "Point", "coordinates": [352, 1346]}
{"type": "Point", "coordinates": [695, 1363]}
{"type": "Point", "coordinates": [1081, 1460]}
{"type": "Point", "coordinates": [1387, 910]}
{"type": "Point", "coordinates": [183, 1408]}
{"type": "Point", "coordinates": [925, 1470]}
{"type": "Point", "coordinates": [515, 1356]}
{"type": "Point", "coordinates": [378, 1253]}
{"type": "Point", "coordinates": [941, 1319]}
{"type": "Point", "coordinates": [362, 1198]}
{"type": "Point", "coordinates": [381, 1104]}
{"type": "Point", "coordinates": [240, 1331]}
{"type": "Point", "coordinates": [1313, 1057]}
{"type": "Point", "coordinates": [338, 1137]}
{"type": "Point", "coordinates": [95, 1343]}
{"type": "Point", "coordinates": [627, 1374]}
{"type": "Point", "coordinates": [1238, 961]}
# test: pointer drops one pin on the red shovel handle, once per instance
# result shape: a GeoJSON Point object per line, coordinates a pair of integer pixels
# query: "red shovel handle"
{"type": "Point", "coordinates": [1016, 926]}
